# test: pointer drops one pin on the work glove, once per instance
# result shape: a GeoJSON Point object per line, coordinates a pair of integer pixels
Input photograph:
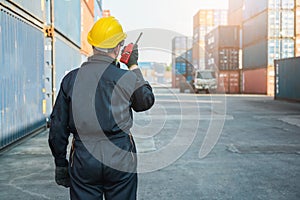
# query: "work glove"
{"type": "Point", "coordinates": [133, 59]}
{"type": "Point", "coordinates": [62, 176]}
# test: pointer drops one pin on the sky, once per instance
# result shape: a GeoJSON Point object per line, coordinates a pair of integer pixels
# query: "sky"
{"type": "Point", "coordinates": [175, 16]}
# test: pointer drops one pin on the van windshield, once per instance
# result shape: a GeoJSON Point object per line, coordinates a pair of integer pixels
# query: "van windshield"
{"type": "Point", "coordinates": [206, 75]}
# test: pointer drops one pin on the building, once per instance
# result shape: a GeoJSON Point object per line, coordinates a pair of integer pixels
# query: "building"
{"type": "Point", "coordinates": [203, 22]}
{"type": "Point", "coordinates": [269, 32]}
{"type": "Point", "coordinates": [181, 58]}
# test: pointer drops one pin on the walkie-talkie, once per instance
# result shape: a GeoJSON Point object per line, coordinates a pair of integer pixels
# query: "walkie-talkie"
{"type": "Point", "coordinates": [128, 50]}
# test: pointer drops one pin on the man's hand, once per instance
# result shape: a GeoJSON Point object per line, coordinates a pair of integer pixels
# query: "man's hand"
{"type": "Point", "coordinates": [133, 57]}
{"type": "Point", "coordinates": [62, 176]}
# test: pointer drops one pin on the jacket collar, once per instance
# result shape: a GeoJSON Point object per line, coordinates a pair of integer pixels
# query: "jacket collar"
{"type": "Point", "coordinates": [98, 57]}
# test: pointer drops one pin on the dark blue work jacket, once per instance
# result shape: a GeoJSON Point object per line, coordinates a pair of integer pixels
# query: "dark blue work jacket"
{"type": "Point", "coordinates": [99, 90]}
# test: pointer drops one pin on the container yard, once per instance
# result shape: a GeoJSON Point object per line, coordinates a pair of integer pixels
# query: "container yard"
{"type": "Point", "coordinates": [218, 81]}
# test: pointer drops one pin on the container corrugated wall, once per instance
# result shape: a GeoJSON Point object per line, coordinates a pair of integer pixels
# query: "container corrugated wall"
{"type": "Point", "coordinates": [255, 81]}
{"type": "Point", "coordinates": [255, 56]}
{"type": "Point", "coordinates": [229, 81]}
{"type": "Point", "coordinates": [235, 17]}
{"type": "Point", "coordinates": [21, 69]}
{"type": "Point", "coordinates": [223, 37]}
{"type": "Point", "coordinates": [255, 29]}
{"type": "Point", "coordinates": [253, 7]}
{"type": "Point", "coordinates": [67, 57]}
{"type": "Point", "coordinates": [181, 54]}
{"type": "Point", "coordinates": [287, 72]}
{"type": "Point", "coordinates": [36, 8]}
{"type": "Point", "coordinates": [234, 5]}
{"type": "Point", "coordinates": [67, 19]}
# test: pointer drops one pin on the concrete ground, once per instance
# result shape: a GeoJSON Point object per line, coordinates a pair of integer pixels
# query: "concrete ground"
{"type": "Point", "coordinates": [256, 153]}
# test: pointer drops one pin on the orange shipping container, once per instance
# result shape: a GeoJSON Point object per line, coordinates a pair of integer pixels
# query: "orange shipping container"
{"type": "Point", "coordinates": [255, 81]}
{"type": "Point", "coordinates": [90, 4]}
{"type": "Point", "coordinates": [87, 21]}
{"type": "Point", "coordinates": [229, 82]}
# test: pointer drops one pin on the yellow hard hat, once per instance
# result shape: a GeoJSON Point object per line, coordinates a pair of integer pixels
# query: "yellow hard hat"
{"type": "Point", "coordinates": [106, 33]}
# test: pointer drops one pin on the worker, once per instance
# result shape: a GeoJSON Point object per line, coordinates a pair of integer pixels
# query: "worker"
{"type": "Point", "coordinates": [102, 159]}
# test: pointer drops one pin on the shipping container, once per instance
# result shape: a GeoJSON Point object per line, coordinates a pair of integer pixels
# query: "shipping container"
{"type": "Point", "coordinates": [34, 8]}
{"type": "Point", "coordinates": [281, 4]}
{"type": "Point", "coordinates": [255, 81]}
{"type": "Point", "coordinates": [182, 69]}
{"type": "Point", "coordinates": [297, 46]}
{"type": "Point", "coordinates": [281, 24]}
{"type": "Point", "coordinates": [236, 17]}
{"type": "Point", "coordinates": [228, 81]}
{"type": "Point", "coordinates": [181, 43]}
{"type": "Point", "coordinates": [297, 39]}
{"type": "Point", "coordinates": [228, 59]}
{"type": "Point", "coordinates": [255, 29]}
{"type": "Point", "coordinates": [87, 21]}
{"type": "Point", "coordinates": [280, 48]}
{"type": "Point", "coordinates": [222, 59]}
{"type": "Point", "coordinates": [21, 82]}
{"type": "Point", "coordinates": [67, 19]}
{"type": "Point", "coordinates": [97, 9]}
{"type": "Point", "coordinates": [204, 21]}
{"type": "Point", "coordinates": [255, 56]}
{"type": "Point", "coordinates": [67, 57]}
{"type": "Point", "coordinates": [234, 5]}
{"type": "Point", "coordinates": [270, 81]}
{"type": "Point", "coordinates": [254, 7]}
{"type": "Point", "coordinates": [298, 19]}
{"type": "Point", "coordinates": [223, 37]}
{"type": "Point", "coordinates": [287, 73]}
{"type": "Point", "coordinates": [90, 5]}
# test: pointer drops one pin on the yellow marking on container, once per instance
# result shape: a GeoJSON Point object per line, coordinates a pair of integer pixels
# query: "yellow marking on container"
{"type": "Point", "coordinates": [44, 106]}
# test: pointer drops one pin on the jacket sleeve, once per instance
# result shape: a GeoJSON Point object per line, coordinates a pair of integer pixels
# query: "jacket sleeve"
{"type": "Point", "coordinates": [142, 98]}
{"type": "Point", "coordinates": [59, 131]}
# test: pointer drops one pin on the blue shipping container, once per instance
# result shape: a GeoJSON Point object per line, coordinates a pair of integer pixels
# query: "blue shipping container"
{"type": "Point", "coordinates": [34, 7]}
{"type": "Point", "coordinates": [67, 57]}
{"type": "Point", "coordinates": [21, 69]}
{"type": "Point", "coordinates": [67, 19]}
{"type": "Point", "coordinates": [287, 82]}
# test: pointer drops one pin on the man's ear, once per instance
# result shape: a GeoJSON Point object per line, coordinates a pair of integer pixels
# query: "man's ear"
{"type": "Point", "coordinates": [117, 49]}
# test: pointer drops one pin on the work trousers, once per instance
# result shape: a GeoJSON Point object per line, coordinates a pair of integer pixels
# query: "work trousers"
{"type": "Point", "coordinates": [112, 176]}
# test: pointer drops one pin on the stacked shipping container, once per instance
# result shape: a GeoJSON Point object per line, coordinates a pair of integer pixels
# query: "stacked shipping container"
{"type": "Point", "coordinates": [203, 22]}
{"type": "Point", "coordinates": [21, 69]}
{"type": "Point", "coordinates": [222, 54]}
{"type": "Point", "coordinates": [222, 48]}
{"type": "Point", "coordinates": [297, 28]}
{"type": "Point", "coordinates": [181, 59]}
{"type": "Point", "coordinates": [39, 43]}
{"type": "Point", "coordinates": [275, 20]}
